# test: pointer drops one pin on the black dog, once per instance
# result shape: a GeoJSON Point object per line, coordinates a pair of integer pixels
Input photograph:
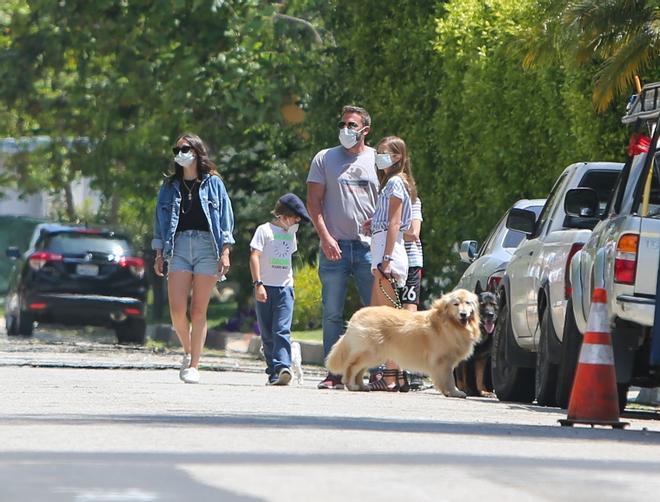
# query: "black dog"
{"type": "Point", "coordinates": [473, 374]}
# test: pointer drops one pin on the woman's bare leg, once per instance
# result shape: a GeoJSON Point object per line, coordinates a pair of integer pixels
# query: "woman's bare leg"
{"type": "Point", "coordinates": [202, 288]}
{"type": "Point", "coordinates": [178, 291]}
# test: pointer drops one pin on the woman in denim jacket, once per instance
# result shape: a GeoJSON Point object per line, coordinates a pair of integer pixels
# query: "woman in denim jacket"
{"type": "Point", "coordinates": [192, 234]}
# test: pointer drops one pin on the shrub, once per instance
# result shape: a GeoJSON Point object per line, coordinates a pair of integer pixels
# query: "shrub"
{"type": "Point", "coordinates": [307, 306]}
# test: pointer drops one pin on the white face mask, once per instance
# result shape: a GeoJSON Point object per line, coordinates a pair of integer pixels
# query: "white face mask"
{"type": "Point", "coordinates": [349, 137]}
{"type": "Point", "coordinates": [384, 160]}
{"type": "Point", "coordinates": [293, 228]}
{"type": "Point", "coordinates": [185, 159]}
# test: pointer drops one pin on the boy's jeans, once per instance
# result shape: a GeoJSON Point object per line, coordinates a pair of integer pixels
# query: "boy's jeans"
{"type": "Point", "coordinates": [355, 261]}
{"type": "Point", "coordinates": [275, 316]}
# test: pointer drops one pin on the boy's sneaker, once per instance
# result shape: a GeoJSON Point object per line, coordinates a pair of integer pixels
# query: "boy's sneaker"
{"type": "Point", "coordinates": [283, 377]}
{"type": "Point", "coordinates": [331, 382]}
{"type": "Point", "coordinates": [190, 375]}
{"type": "Point", "coordinates": [185, 364]}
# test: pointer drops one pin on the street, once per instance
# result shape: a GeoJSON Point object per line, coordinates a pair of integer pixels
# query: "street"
{"type": "Point", "coordinates": [125, 432]}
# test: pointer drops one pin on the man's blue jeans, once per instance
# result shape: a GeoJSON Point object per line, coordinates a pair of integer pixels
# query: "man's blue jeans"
{"type": "Point", "coordinates": [355, 262]}
{"type": "Point", "coordinates": [275, 316]}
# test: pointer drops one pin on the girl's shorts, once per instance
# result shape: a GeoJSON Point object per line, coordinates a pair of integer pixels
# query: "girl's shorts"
{"type": "Point", "coordinates": [194, 253]}
{"type": "Point", "coordinates": [399, 263]}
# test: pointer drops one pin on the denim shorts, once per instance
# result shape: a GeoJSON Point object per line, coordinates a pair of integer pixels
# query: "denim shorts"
{"type": "Point", "coordinates": [194, 253]}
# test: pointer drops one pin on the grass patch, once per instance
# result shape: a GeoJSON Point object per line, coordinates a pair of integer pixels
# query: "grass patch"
{"type": "Point", "coordinates": [312, 335]}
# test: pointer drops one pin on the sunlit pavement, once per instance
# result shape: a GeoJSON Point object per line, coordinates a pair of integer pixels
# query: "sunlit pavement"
{"type": "Point", "coordinates": [82, 434]}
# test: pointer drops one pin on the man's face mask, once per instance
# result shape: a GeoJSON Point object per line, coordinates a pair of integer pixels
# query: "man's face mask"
{"type": "Point", "coordinates": [349, 134]}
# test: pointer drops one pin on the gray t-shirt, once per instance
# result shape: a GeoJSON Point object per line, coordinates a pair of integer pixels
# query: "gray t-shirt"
{"type": "Point", "coordinates": [351, 189]}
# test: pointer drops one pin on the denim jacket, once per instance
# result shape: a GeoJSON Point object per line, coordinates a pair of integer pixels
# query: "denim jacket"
{"type": "Point", "coordinates": [215, 205]}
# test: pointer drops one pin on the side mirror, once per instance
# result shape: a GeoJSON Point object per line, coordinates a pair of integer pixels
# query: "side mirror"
{"type": "Point", "coordinates": [13, 252]}
{"type": "Point", "coordinates": [522, 220]}
{"type": "Point", "coordinates": [468, 251]}
{"type": "Point", "coordinates": [581, 203]}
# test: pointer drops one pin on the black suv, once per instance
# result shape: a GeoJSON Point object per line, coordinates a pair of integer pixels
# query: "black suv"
{"type": "Point", "coordinates": [77, 276]}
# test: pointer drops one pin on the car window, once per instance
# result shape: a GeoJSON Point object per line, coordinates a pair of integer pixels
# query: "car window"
{"type": "Point", "coordinates": [603, 183]}
{"type": "Point", "coordinates": [654, 200]}
{"type": "Point", "coordinates": [552, 196]}
{"type": "Point", "coordinates": [490, 242]}
{"type": "Point", "coordinates": [513, 238]}
{"type": "Point", "coordinates": [74, 242]}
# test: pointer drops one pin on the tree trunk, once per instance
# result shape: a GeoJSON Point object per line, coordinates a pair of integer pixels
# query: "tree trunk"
{"type": "Point", "coordinates": [114, 209]}
{"type": "Point", "coordinates": [70, 207]}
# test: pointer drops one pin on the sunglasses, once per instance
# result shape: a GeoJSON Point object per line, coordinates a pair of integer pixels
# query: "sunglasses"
{"type": "Point", "coordinates": [350, 125]}
{"type": "Point", "coordinates": [182, 149]}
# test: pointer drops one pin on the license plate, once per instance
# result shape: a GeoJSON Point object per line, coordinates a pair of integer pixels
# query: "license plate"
{"type": "Point", "coordinates": [87, 269]}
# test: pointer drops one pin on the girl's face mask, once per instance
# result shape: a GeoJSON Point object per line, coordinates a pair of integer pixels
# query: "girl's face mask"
{"type": "Point", "coordinates": [385, 160]}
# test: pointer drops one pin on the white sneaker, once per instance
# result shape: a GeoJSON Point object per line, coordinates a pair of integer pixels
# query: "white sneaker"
{"type": "Point", "coordinates": [284, 377]}
{"type": "Point", "coordinates": [185, 364]}
{"type": "Point", "coordinates": [190, 375]}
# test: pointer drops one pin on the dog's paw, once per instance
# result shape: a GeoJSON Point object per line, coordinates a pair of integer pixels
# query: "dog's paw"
{"type": "Point", "coordinates": [353, 387]}
{"type": "Point", "coordinates": [456, 393]}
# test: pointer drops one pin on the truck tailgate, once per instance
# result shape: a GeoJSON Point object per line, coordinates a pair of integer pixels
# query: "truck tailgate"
{"type": "Point", "coordinates": [648, 257]}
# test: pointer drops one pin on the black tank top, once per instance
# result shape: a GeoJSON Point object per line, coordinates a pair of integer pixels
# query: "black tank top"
{"type": "Point", "coordinates": [191, 216]}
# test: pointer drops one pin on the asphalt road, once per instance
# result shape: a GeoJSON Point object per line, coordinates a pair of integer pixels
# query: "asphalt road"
{"type": "Point", "coordinates": [69, 432]}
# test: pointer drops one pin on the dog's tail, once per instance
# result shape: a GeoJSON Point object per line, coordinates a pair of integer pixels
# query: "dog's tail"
{"type": "Point", "coordinates": [338, 357]}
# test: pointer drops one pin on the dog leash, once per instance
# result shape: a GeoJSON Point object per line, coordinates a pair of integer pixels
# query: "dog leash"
{"type": "Point", "coordinates": [396, 301]}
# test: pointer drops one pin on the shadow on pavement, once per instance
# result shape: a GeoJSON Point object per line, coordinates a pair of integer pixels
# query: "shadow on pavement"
{"type": "Point", "coordinates": [343, 423]}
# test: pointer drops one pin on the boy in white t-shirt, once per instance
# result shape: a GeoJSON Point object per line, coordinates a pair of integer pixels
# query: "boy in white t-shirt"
{"type": "Point", "coordinates": [271, 248]}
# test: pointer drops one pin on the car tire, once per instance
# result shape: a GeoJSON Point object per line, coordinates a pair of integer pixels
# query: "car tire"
{"type": "Point", "coordinates": [570, 352]}
{"type": "Point", "coordinates": [545, 375]}
{"type": "Point", "coordinates": [510, 382]}
{"type": "Point", "coordinates": [131, 331]}
{"type": "Point", "coordinates": [25, 323]}
{"type": "Point", "coordinates": [11, 325]}
{"type": "Point", "coordinates": [622, 389]}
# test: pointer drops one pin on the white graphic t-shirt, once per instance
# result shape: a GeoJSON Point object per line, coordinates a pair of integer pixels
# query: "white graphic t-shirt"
{"type": "Point", "coordinates": [276, 246]}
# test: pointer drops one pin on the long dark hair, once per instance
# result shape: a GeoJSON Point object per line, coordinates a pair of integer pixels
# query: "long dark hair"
{"type": "Point", "coordinates": [204, 163]}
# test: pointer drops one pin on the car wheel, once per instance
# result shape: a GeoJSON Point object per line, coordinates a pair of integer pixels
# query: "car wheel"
{"type": "Point", "coordinates": [510, 382]}
{"type": "Point", "coordinates": [545, 377]}
{"type": "Point", "coordinates": [25, 323]}
{"type": "Point", "coordinates": [11, 325]}
{"type": "Point", "coordinates": [622, 389]}
{"type": "Point", "coordinates": [132, 330]}
{"type": "Point", "coordinates": [570, 351]}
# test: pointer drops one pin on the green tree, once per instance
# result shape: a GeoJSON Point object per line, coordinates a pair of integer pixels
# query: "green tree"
{"type": "Point", "coordinates": [623, 36]}
{"type": "Point", "coordinates": [111, 84]}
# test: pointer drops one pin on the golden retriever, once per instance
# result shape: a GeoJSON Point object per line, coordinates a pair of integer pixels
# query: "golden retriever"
{"type": "Point", "coordinates": [432, 341]}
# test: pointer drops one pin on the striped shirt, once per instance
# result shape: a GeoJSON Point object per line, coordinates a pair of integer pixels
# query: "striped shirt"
{"type": "Point", "coordinates": [395, 187]}
{"type": "Point", "coordinates": [414, 248]}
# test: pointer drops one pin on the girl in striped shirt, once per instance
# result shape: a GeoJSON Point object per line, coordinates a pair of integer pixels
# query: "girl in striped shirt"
{"type": "Point", "coordinates": [393, 217]}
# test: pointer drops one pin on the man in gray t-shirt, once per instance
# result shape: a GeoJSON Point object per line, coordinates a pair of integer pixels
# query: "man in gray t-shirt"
{"type": "Point", "coordinates": [342, 188]}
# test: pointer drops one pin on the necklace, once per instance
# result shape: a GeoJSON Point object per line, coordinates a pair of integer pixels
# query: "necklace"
{"type": "Point", "coordinates": [190, 191]}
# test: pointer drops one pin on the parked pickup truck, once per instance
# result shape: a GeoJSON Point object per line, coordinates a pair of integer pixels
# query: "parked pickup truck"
{"type": "Point", "coordinates": [534, 290]}
{"type": "Point", "coordinates": [621, 256]}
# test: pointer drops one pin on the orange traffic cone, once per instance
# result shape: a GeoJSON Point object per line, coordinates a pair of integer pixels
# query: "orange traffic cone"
{"type": "Point", "coordinates": [594, 398]}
